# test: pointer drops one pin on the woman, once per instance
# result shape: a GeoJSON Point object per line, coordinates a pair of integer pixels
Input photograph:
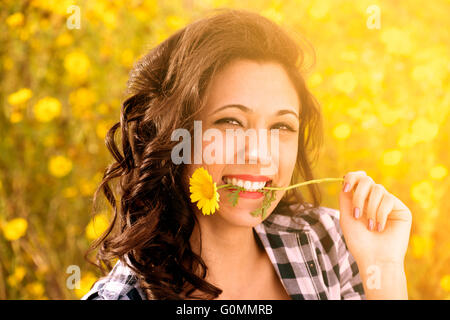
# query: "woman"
{"type": "Point", "coordinates": [229, 71]}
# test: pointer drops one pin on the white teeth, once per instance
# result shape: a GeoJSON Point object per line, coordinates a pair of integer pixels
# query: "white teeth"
{"type": "Point", "coordinates": [248, 185]}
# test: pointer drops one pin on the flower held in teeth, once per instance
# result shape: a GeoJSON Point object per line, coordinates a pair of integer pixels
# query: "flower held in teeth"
{"type": "Point", "coordinates": [248, 185]}
{"type": "Point", "coordinates": [204, 190]}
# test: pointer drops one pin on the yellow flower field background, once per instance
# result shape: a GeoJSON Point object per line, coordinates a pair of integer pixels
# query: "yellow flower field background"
{"type": "Point", "coordinates": [384, 93]}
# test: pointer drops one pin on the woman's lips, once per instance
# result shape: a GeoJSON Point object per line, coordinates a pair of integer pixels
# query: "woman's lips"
{"type": "Point", "coordinates": [250, 182]}
{"type": "Point", "coordinates": [249, 194]}
{"type": "Point", "coordinates": [247, 177]}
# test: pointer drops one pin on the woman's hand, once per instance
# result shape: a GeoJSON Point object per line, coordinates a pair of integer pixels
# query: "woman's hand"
{"type": "Point", "coordinates": [377, 235]}
{"type": "Point", "coordinates": [379, 231]}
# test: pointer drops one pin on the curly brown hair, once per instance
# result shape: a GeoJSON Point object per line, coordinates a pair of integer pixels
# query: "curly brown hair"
{"type": "Point", "coordinates": [153, 221]}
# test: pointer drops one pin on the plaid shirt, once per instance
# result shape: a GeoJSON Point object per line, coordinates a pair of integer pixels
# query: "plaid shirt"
{"type": "Point", "coordinates": [308, 252]}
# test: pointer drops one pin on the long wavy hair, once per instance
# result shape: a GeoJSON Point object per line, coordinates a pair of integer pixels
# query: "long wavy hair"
{"type": "Point", "coordinates": [153, 219]}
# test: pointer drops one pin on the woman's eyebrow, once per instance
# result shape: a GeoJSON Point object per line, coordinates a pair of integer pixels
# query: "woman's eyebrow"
{"type": "Point", "coordinates": [247, 109]}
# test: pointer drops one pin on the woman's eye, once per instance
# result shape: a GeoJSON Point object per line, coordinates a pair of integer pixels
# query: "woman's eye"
{"type": "Point", "coordinates": [232, 121]}
{"type": "Point", "coordinates": [283, 126]}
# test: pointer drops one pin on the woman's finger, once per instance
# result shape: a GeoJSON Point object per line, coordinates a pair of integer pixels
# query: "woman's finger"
{"type": "Point", "coordinates": [376, 195]}
{"type": "Point", "coordinates": [359, 197]}
{"type": "Point", "coordinates": [351, 178]}
{"type": "Point", "coordinates": [385, 208]}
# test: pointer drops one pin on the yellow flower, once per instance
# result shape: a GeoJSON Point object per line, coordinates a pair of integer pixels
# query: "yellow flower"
{"type": "Point", "coordinates": [86, 282]}
{"type": "Point", "coordinates": [345, 82]}
{"type": "Point", "coordinates": [64, 39]}
{"type": "Point", "coordinates": [35, 289]}
{"type": "Point", "coordinates": [19, 97]}
{"type": "Point", "coordinates": [15, 20]}
{"type": "Point", "coordinates": [342, 131]}
{"type": "Point", "coordinates": [15, 278]}
{"type": "Point", "coordinates": [60, 166]}
{"type": "Point", "coordinates": [77, 65]}
{"type": "Point", "coordinates": [47, 109]}
{"type": "Point", "coordinates": [397, 41]}
{"type": "Point", "coordinates": [97, 226]}
{"type": "Point", "coordinates": [204, 190]}
{"type": "Point", "coordinates": [81, 102]}
{"type": "Point", "coordinates": [102, 128]}
{"type": "Point", "coordinates": [445, 282]}
{"type": "Point", "coordinates": [69, 192]}
{"type": "Point", "coordinates": [15, 229]}
{"type": "Point", "coordinates": [16, 116]}
{"type": "Point", "coordinates": [392, 157]}
{"type": "Point", "coordinates": [438, 172]}
{"type": "Point", "coordinates": [421, 245]}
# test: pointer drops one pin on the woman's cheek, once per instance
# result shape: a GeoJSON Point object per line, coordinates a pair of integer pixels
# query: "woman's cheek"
{"type": "Point", "coordinates": [288, 160]}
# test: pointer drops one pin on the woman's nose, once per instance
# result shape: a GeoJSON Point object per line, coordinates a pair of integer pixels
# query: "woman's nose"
{"type": "Point", "coordinates": [261, 151]}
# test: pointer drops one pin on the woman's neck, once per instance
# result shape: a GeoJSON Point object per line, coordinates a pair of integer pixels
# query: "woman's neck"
{"type": "Point", "coordinates": [229, 251]}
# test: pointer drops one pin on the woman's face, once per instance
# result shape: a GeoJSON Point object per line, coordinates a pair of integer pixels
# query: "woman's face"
{"type": "Point", "coordinates": [250, 95]}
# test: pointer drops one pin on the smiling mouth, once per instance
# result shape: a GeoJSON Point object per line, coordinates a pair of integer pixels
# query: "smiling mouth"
{"type": "Point", "coordinates": [248, 185]}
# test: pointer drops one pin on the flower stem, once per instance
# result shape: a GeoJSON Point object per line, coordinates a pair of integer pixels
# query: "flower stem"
{"type": "Point", "coordinates": [224, 186]}
{"type": "Point", "coordinates": [303, 183]}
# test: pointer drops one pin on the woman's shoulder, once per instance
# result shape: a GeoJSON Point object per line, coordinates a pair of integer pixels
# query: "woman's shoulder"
{"type": "Point", "coordinates": [120, 284]}
{"type": "Point", "coordinates": [319, 225]}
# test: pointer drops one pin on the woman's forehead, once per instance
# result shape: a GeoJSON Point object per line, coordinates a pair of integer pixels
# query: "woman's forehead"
{"type": "Point", "coordinates": [256, 85]}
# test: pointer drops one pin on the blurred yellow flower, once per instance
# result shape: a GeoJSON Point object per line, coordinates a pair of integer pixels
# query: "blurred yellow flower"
{"type": "Point", "coordinates": [47, 109]}
{"type": "Point", "coordinates": [35, 289]}
{"type": "Point", "coordinates": [98, 224]}
{"type": "Point", "coordinates": [16, 116]}
{"type": "Point", "coordinates": [60, 166]}
{"type": "Point", "coordinates": [319, 9]}
{"type": "Point", "coordinates": [421, 245]}
{"type": "Point", "coordinates": [18, 275]}
{"type": "Point", "coordinates": [273, 14]}
{"type": "Point", "coordinates": [15, 229]}
{"type": "Point", "coordinates": [388, 115]}
{"type": "Point", "coordinates": [175, 22]}
{"type": "Point", "coordinates": [87, 187]}
{"type": "Point", "coordinates": [86, 282]}
{"type": "Point", "coordinates": [345, 82]}
{"type": "Point", "coordinates": [445, 282]}
{"type": "Point", "coordinates": [424, 130]}
{"type": "Point", "coordinates": [423, 193]}
{"type": "Point", "coordinates": [392, 157]}
{"type": "Point", "coordinates": [102, 128]}
{"type": "Point", "coordinates": [438, 172]}
{"type": "Point", "coordinates": [77, 65]}
{"type": "Point", "coordinates": [81, 102]}
{"type": "Point", "coordinates": [64, 39]}
{"type": "Point", "coordinates": [8, 63]}
{"type": "Point", "coordinates": [15, 20]}
{"type": "Point", "coordinates": [56, 6]}
{"type": "Point", "coordinates": [342, 131]}
{"type": "Point", "coordinates": [19, 97]}
{"type": "Point", "coordinates": [397, 41]}
{"type": "Point", "coordinates": [127, 58]}
{"type": "Point", "coordinates": [103, 109]}
{"type": "Point", "coordinates": [69, 192]}
{"type": "Point", "coordinates": [315, 79]}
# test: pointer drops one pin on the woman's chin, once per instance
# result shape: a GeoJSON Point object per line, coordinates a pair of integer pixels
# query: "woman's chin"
{"type": "Point", "coordinates": [240, 216]}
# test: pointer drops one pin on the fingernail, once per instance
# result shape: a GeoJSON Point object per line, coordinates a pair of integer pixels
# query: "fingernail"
{"type": "Point", "coordinates": [379, 227]}
{"type": "Point", "coordinates": [356, 212]}
{"type": "Point", "coordinates": [347, 187]}
{"type": "Point", "coordinates": [371, 224]}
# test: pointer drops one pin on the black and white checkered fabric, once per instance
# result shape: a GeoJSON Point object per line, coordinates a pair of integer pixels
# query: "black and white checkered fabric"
{"type": "Point", "coordinates": [308, 252]}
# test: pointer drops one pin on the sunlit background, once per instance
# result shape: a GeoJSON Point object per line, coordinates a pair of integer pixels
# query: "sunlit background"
{"type": "Point", "coordinates": [384, 91]}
